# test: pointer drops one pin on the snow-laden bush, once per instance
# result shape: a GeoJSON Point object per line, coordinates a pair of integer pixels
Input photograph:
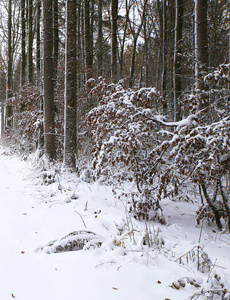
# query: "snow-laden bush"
{"type": "Point", "coordinates": [133, 141]}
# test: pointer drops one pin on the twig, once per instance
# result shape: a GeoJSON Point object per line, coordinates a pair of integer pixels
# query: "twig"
{"type": "Point", "coordinates": [81, 218]}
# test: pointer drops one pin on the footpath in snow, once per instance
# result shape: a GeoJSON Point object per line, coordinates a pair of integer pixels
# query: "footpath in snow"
{"type": "Point", "coordinates": [33, 214]}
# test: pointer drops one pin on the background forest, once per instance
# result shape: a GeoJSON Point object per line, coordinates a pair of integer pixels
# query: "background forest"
{"type": "Point", "coordinates": [123, 90]}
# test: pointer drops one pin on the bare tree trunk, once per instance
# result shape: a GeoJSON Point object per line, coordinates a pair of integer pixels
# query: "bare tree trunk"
{"type": "Point", "coordinates": [2, 95]}
{"type": "Point", "coordinates": [70, 86]}
{"type": "Point", "coordinates": [201, 43]}
{"type": "Point", "coordinates": [80, 43]}
{"type": "Point", "coordinates": [164, 54]}
{"type": "Point", "coordinates": [49, 128]}
{"type": "Point", "coordinates": [9, 110]}
{"type": "Point", "coordinates": [100, 40]}
{"type": "Point", "coordinates": [177, 58]}
{"type": "Point", "coordinates": [30, 41]}
{"type": "Point", "coordinates": [114, 10]}
{"type": "Point", "coordinates": [146, 38]}
{"type": "Point", "coordinates": [212, 205]}
{"type": "Point", "coordinates": [135, 37]}
{"type": "Point", "coordinates": [88, 41]}
{"type": "Point", "coordinates": [55, 36]}
{"type": "Point", "coordinates": [122, 46]}
{"type": "Point", "coordinates": [23, 43]}
{"type": "Point", "coordinates": [38, 35]}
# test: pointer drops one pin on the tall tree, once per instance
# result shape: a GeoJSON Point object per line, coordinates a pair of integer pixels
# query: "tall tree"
{"type": "Point", "coordinates": [49, 127]}
{"type": "Point", "coordinates": [23, 43]}
{"type": "Point", "coordinates": [201, 43]}
{"type": "Point", "coordinates": [177, 57]}
{"type": "Point", "coordinates": [9, 110]}
{"type": "Point", "coordinates": [128, 5]}
{"type": "Point", "coordinates": [88, 40]}
{"type": "Point", "coordinates": [30, 40]}
{"type": "Point", "coordinates": [38, 36]}
{"type": "Point", "coordinates": [55, 34]}
{"type": "Point", "coordinates": [114, 10]}
{"type": "Point", "coordinates": [135, 34]}
{"type": "Point", "coordinates": [70, 86]}
{"type": "Point", "coordinates": [99, 40]}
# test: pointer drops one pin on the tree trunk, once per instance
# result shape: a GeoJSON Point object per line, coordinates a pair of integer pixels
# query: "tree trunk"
{"type": "Point", "coordinates": [55, 36]}
{"type": "Point", "coordinates": [80, 46]}
{"type": "Point", "coordinates": [131, 81]}
{"type": "Point", "coordinates": [114, 9]}
{"type": "Point", "coordinates": [122, 46]}
{"type": "Point", "coordinates": [135, 37]}
{"type": "Point", "coordinates": [38, 42]}
{"type": "Point", "coordinates": [88, 41]}
{"type": "Point", "coordinates": [23, 43]}
{"type": "Point", "coordinates": [164, 54]}
{"type": "Point", "coordinates": [49, 128]}
{"type": "Point", "coordinates": [146, 59]}
{"type": "Point", "coordinates": [30, 41]}
{"type": "Point", "coordinates": [9, 110]}
{"type": "Point", "coordinates": [70, 86]}
{"type": "Point", "coordinates": [201, 44]}
{"type": "Point", "coordinates": [100, 40]}
{"type": "Point", "coordinates": [177, 58]}
{"type": "Point", "coordinates": [212, 205]}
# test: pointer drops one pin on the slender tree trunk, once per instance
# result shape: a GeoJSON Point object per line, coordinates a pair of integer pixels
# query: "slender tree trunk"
{"type": "Point", "coordinates": [2, 95]}
{"type": "Point", "coordinates": [70, 86]}
{"type": "Point", "coordinates": [49, 128]}
{"type": "Point", "coordinates": [80, 60]}
{"type": "Point", "coordinates": [146, 48]}
{"type": "Point", "coordinates": [9, 110]}
{"type": "Point", "coordinates": [177, 58]}
{"type": "Point", "coordinates": [164, 52]}
{"type": "Point", "coordinates": [23, 43]}
{"type": "Point", "coordinates": [55, 36]}
{"type": "Point", "coordinates": [38, 35]}
{"type": "Point", "coordinates": [131, 81]}
{"type": "Point", "coordinates": [135, 37]}
{"type": "Point", "coordinates": [30, 41]}
{"type": "Point", "coordinates": [100, 40]}
{"type": "Point", "coordinates": [212, 206]}
{"type": "Point", "coordinates": [201, 44]}
{"type": "Point", "coordinates": [114, 9]}
{"type": "Point", "coordinates": [88, 41]}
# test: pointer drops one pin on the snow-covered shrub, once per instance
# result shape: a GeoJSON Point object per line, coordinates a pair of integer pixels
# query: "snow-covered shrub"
{"type": "Point", "coordinates": [133, 141]}
{"type": "Point", "coordinates": [26, 133]}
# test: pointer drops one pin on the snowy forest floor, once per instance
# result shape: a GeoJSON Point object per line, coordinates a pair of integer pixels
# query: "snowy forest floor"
{"type": "Point", "coordinates": [113, 265]}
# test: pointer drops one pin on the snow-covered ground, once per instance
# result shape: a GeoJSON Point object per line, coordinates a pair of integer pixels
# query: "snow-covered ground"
{"type": "Point", "coordinates": [114, 264]}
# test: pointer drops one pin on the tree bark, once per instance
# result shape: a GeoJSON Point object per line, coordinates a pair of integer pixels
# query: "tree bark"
{"type": "Point", "coordinates": [55, 36]}
{"type": "Point", "coordinates": [30, 41]}
{"type": "Point", "coordinates": [9, 110]}
{"type": "Point", "coordinates": [38, 35]}
{"type": "Point", "coordinates": [201, 44]}
{"type": "Point", "coordinates": [70, 86]}
{"type": "Point", "coordinates": [178, 57]}
{"type": "Point", "coordinates": [88, 41]}
{"type": "Point", "coordinates": [23, 43]}
{"type": "Point", "coordinates": [100, 40]}
{"type": "Point", "coordinates": [164, 55]}
{"type": "Point", "coordinates": [49, 127]}
{"type": "Point", "coordinates": [135, 37]}
{"type": "Point", "coordinates": [114, 10]}
{"type": "Point", "coordinates": [212, 205]}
